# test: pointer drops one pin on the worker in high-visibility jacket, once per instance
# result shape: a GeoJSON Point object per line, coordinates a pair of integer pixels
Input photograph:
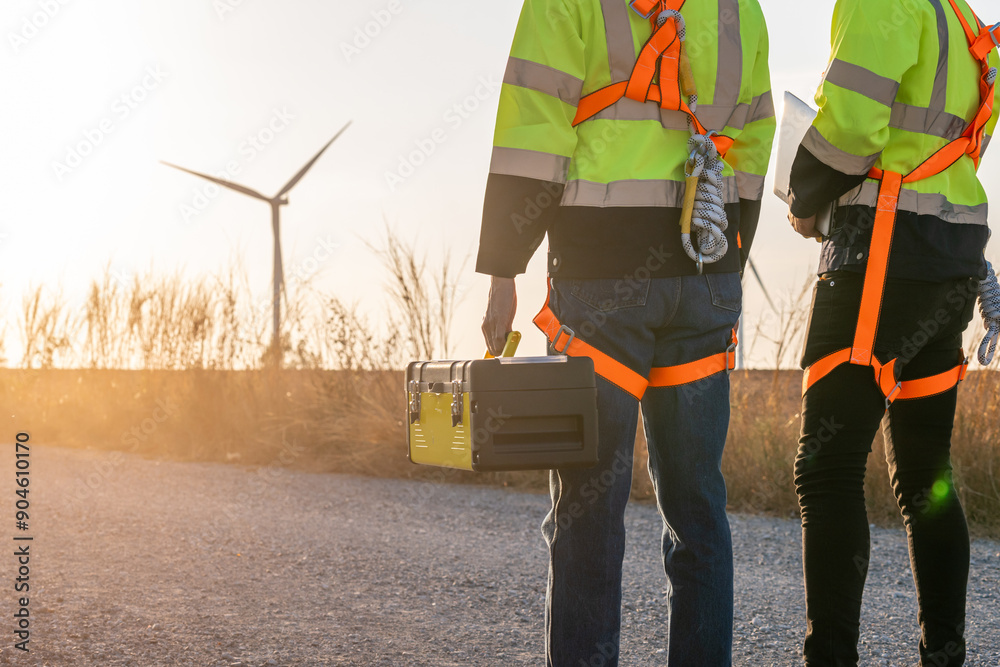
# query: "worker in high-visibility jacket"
{"type": "Point", "coordinates": [598, 139]}
{"type": "Point", "coordinates": [904, 118]}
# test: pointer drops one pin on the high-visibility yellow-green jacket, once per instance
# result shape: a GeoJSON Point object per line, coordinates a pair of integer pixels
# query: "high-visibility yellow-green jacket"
{"type": "Point", "coordinates": [610, 190]}
{"type": "Point", "coordinates": [900, 84]}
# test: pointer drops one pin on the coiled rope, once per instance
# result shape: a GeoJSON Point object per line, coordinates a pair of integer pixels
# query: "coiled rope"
{"type": "Point", "coordinates": [708, 218]}
{"type": "Point", "coordinates": [989, 293]}
{"type": "Point", "coordinates": [989, 308]}
{"type": "Point", "coordinates": [708, 221]}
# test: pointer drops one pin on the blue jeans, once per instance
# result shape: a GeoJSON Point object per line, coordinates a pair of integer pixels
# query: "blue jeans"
{"type": "Point", "coordinates": [646, 324]}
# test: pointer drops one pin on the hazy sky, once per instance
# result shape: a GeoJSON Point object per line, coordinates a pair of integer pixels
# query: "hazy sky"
{"type": "Point", "coordinates": [97, 92]}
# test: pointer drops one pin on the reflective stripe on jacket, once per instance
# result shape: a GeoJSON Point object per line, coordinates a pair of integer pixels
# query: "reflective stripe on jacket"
{"type": "Point", "coordinates": [901, 83]}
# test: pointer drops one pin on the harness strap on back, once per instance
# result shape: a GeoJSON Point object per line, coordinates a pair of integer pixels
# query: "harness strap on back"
{"type": "Point", "coordinates": [663, 48]}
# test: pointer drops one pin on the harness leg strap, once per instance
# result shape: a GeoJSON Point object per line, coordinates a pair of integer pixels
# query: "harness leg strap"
{"type": "Point", "coordinates": [875, 274]}
{"type": "Point", "coordinates": [608, 368]}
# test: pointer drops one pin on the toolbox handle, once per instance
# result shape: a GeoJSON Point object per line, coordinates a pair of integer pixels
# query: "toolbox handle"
{"type": "Point", "coordinates": [513, 338]}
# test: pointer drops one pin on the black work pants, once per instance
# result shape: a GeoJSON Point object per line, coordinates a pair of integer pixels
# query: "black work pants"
{"type": "Point", "coordinates": [921, 324]}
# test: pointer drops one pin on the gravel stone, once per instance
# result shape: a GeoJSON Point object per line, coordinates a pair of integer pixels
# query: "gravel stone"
{"type": "Point", "coordinates": [138, 562]}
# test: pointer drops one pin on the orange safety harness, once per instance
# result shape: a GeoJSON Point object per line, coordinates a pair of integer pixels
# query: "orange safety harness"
{"type": "Point", "coordinates": [662, 54]}
{"type": "Point", "coordinates": [564, 341]}
{"type": "Point", "coordinates": [971, 144]}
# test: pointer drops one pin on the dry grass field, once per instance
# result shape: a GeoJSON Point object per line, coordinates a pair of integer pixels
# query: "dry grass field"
{"type": "Point", "coordinates": [351, 422]}
{"type": "Point", "coordinates": [209, 388]}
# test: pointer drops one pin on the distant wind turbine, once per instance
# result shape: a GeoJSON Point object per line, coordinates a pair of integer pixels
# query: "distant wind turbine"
{"type": "Point", "coordinates": [740, 362]}
{"type": "Point", "coordinates": [276, 202]}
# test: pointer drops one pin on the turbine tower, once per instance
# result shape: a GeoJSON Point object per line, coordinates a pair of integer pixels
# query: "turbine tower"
{"type": "Point", "coordinates": [276, 202]}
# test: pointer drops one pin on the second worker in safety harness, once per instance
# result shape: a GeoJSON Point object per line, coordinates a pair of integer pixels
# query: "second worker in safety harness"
{"type": "Point", "coordinates": [906, 111]}
{"type": "Point", "coordinates": [636, 135]}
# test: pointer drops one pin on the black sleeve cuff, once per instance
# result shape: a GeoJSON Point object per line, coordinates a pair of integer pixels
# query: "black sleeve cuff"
{"type": "Point", "coordinates": [814, 184]}
{"type": "Point", "coordinates": [516, 214]}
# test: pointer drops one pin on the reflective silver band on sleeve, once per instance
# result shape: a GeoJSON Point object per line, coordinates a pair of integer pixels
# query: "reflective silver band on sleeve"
{"type": "Point", "coordinates": [544, 79]}
{"type": "Point", "coordinates": [832, 156]}
{"type": "Point", "coordinates": [529, 164]}
{"type": "Point", "coordinates": [862, 81]}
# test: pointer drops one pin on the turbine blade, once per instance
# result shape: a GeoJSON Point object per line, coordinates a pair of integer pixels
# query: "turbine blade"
{"type": "Point", "coordinates": [222, 182]}
{"type": "Point", "coordinates": [756, 274]}
{"type": "Point", "coordinates": [308, 165]}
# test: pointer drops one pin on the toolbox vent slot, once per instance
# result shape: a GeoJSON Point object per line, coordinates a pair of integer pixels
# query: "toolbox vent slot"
{"type": "Point", "coordinates": [539, 434]}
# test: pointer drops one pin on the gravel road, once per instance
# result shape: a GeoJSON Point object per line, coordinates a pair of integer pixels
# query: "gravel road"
{"type": "Point", "coordinates": [138, 562]}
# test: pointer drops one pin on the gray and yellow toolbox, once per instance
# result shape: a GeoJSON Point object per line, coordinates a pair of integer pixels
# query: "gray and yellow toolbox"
{"type": "Point", "coordinates": [507, 413]}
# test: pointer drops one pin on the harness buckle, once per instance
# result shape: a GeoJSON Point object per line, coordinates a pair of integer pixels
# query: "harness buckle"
{"type": "Point", "coordinates": [639, 12]}
{"type": "Point", "coordinates": [993, 35]}
{"type": "Point", "coordinates": [891, 396]}
{"type": "Point", "coordinates": [731, 352]}
{"type": "Point", "coordinates": [555, 341]}
{"type": "Point", "coordinates": [965, 364]}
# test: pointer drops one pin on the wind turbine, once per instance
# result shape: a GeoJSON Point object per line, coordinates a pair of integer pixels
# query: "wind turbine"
{"type": "Point", "coordinates": [276, 202]}
{"type": "Point", "coordinates": [740, 361]}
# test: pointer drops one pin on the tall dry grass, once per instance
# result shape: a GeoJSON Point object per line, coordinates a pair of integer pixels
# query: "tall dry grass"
{"type": "Point", "coordinates": [424, 302]}
{"type": "Point", "coordinates": [90, 374]}
{"type": "Point", "coordinates": [3, 333]}
{"type": "Point", "coordinates": [48, 329]}
{"type": "Point", "coordinates": [169, 366]}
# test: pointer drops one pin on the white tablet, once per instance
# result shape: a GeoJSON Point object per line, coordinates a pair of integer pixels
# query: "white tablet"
{"type": "Point", "coordinates": [796, 119]}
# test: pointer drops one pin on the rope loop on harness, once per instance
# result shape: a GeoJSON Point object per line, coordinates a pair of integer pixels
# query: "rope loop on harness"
{"type": "Point", "coordinates": [706, 219]}
{"type": "Point", "coordinates": [708, 216]}
{"type": "Point", "coordinates": [989, 308]}
{"type": "Point", "coordinates": [667, 14]}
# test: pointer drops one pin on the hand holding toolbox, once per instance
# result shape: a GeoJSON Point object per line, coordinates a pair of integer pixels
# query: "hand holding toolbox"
{"type": "Point", "coordinates": [501, 414]}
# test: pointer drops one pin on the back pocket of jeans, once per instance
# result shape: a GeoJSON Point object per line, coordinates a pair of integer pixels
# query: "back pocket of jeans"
{"type": "Point", "coordinates": [608, 295]}
{"type": "Point", "coordinates": [726, 289]}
